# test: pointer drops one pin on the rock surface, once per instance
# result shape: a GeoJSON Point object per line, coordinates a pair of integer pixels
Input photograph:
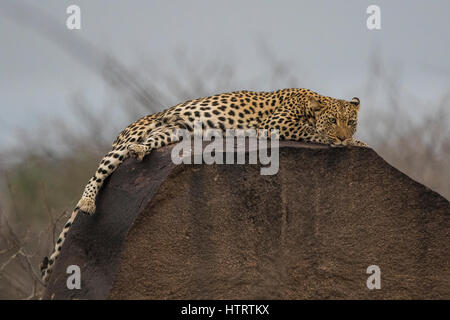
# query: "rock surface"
{"type": "Point", "coordinates": [166, 231]}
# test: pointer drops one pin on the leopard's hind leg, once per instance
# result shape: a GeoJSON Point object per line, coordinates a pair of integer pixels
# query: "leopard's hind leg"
{"type": "Point", "coordinates": [139, 144]}
{"type": "Point", "coordinates": [107, 166]}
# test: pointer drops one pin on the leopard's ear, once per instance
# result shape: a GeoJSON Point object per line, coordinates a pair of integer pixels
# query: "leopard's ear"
{"type": "Point", "coordinates": [355, 101]}
{"type": "Point", "coordinates": [314, 104]}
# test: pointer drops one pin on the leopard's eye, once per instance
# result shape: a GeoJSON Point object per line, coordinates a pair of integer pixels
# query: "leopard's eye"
{"type": "Point", "coordinates": [332, 120]}
{"type": "Point", "coordinates": [351, 122]}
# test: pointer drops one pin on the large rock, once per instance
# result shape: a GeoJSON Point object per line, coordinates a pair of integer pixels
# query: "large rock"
{"type": "Point", "coordinates": [166, 231]}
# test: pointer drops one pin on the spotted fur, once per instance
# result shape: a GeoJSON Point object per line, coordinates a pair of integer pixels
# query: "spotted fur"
{"type": "Point", "coordinates": [298, 114]}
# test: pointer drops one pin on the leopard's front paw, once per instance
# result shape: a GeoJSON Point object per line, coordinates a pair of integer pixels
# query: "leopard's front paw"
{"type": "Point", "coordinates": [137, 151]}
{"type": "Point", "coordinates": [358, 143]}
{"type": "Point", "coordinates": [86, 205]}
{"type": "Point", "coordinates": [337, 145]}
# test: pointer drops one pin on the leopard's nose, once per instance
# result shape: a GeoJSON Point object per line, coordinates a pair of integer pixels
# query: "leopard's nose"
{"type": "Point", "coordinates": [341, 137]}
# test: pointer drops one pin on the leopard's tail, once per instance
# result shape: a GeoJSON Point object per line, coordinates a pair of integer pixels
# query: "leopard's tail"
{"type": "Point", "coordinates": [48, 263]}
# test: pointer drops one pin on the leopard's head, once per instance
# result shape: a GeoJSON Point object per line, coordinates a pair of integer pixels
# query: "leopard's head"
{"type": "Point", "coordinates": [335, 120]}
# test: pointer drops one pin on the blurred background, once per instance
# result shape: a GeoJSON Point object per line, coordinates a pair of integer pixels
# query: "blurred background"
{"type": "Point", "coordinates": [65, 94]}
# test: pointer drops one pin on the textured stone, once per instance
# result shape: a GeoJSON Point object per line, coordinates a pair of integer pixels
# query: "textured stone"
{"type": "Point", "coordinates": [165, 231]}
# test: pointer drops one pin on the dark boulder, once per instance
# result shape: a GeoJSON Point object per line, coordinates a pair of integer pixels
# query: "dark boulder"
{"type": "Point", "coordinates": [166, 231]}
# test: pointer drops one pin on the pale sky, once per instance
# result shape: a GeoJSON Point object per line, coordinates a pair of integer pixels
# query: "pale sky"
{"type": "Point", "coordinates": [327, 43]}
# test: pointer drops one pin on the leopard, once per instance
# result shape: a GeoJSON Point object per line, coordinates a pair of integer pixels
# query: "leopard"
{"type": "Point", "coordinates": [296, 114]}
